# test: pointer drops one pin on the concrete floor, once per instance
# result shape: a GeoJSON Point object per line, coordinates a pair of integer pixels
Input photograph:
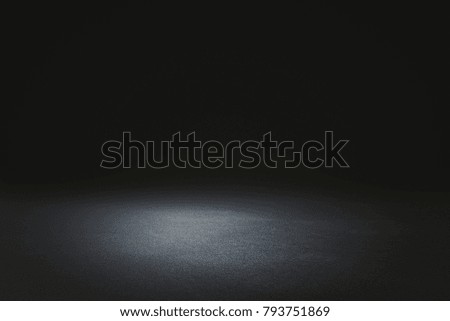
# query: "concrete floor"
{"type": "Point", "coordinates": [228, 245]}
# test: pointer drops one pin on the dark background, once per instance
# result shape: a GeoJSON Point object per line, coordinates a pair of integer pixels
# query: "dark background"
{"type": "Point", "coordinates": [375, 74]}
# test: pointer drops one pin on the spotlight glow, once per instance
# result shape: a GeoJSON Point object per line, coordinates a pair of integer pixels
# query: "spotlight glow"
{"type": "Point", "coordinates": [196, 246]}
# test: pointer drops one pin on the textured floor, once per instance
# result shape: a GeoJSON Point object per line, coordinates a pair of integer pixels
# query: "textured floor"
{"type": "Point", "coordinates": [229, 244]}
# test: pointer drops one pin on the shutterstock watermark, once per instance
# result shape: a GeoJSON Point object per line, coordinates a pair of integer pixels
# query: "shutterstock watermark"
{"type": "Point", "coordinates": [188, 152]}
